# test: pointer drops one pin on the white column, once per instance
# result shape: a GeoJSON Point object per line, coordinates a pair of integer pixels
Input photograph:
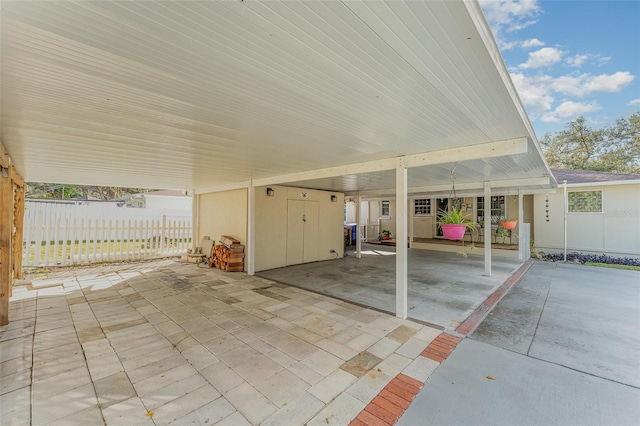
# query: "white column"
{"type": "Point", "coordinates": [521, 241]}
{"type": "Point", "coordinates": [358, 226]}
{"type": "Point", "coordinates": [251, 229]}
{"type": "Point", "coordinates": [195, 220]}
{"type": "Point", "coordinates": [487, 229]}
{"type": "Point", "coordinates": [412, 210]}
{"type": "Point", "coordinates": [401, 240]}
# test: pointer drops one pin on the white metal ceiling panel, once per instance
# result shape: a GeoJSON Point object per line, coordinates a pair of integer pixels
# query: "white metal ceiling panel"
{"type": "Point", "coordinates": [188, 95]}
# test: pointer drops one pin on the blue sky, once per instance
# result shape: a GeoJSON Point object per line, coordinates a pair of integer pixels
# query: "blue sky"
{"type": "Point", "coordinates": [570, 58]}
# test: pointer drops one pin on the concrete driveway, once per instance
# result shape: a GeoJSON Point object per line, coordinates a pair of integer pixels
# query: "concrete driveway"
{"type": "Point", "coordinates": [561, 348]}
{"type": "Point", "coordinates": [444, 288]}
{"type": "Point", "coordinates": [584, 318]}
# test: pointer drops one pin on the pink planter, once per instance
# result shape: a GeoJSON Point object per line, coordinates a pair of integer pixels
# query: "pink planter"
{"type": "Point", "coordinates": [453, 231]}
{"type": "Point", "coordinates": [509, 224]}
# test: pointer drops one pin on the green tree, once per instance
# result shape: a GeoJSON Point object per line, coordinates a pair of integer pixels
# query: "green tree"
{"type": "Point", "coordinates": [614, 148]}
{"type": "Point", "coordinates": [65, 192]}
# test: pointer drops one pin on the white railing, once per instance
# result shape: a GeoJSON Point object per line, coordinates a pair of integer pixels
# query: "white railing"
{"type": "Point", "coordinates": [68, 234]}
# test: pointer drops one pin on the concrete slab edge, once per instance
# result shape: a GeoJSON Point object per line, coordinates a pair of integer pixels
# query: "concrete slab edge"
{"type": "Point", "coordinates": [472, 322]}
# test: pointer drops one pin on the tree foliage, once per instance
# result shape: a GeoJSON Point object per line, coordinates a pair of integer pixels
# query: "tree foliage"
{"type": "Point", "coordinates": [615, 148]}
{"type": "Point", "coordinates": [65, 192]}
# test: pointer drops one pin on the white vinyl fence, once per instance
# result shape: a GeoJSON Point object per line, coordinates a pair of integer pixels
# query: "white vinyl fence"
{"type": "Point", "coordinates": [70, 234]}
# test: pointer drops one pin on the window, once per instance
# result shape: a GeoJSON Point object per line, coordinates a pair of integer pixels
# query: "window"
{"type": "Point", "coordinates": [497, 209]}
{"type": "Point", "coordinates": [585, 202]}
{"type": "Point", "coordinates": [422, 207]}
{"type": "Point", "coordinates": [385, 209]}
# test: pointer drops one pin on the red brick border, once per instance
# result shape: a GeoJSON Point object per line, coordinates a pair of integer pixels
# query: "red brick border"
{"type": "Point", "coordinates": [481, 311]}
{"type": "Point", "coordinates": [392, 401]}
{"type": "Point", "coordinates": [441, 347]}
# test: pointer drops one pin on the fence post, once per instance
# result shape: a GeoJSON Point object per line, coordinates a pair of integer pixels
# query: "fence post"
{"type": "Point", "coordinates": [65, 241]}
{"type": "Point", "coordinates": [162, 232]}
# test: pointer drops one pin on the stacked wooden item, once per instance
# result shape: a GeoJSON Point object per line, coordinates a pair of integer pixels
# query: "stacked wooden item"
{"type": "Point", "coordinates": [228, 255]}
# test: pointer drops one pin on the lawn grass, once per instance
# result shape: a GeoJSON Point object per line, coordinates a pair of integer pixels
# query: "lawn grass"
{"type": "Point", "coordinates": [112, 250]}
{"type": "Point", "coordinates": [614, 266]}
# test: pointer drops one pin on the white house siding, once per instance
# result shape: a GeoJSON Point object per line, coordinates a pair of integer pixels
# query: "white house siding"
{"type": "Point", "coordinates": [614, 231]}
{"type": "Point", "coordinates": [160, 202]}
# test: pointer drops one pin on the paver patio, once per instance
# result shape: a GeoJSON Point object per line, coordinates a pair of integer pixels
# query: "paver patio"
{"type": "Point", "coordinates": [167, 342]}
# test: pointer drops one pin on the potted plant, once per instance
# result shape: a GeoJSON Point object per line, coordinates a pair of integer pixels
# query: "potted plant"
{"type": "Point", "coordinates": [386, 234]}
{"type": "Point", "coordinates": [453, 224]}
{"type": "Point", "coordinates": [509, 223]}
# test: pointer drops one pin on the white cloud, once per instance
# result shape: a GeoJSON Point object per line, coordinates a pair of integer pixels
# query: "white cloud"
{"type": "Point", "coordinates": [609, 82]}
{"type": "Point", "coordinates": [580, 59]}
{"type": "Point", "coordinates": [569, 109]}
{"type": "Point", "coordinates": [572, 109]}
{"type": "Point", "coordinates": [539, 92]}
{"type": "Point", "coordinates": [634, 102]}
{"type": "Point", "coordinates": [508, 16]}
{"type": "Point", "coordinates": [587, 84]}
{"type": "Point", "coordinates": [533, 42]}
{"type": "Point", "coordinates": [534, 91]}
{"type": "Point", "coordinates": [603, 59]}
{"type": "Point", "coordinates": [577, 60]}
{"type": "Point", "coordinates": [542, 58]}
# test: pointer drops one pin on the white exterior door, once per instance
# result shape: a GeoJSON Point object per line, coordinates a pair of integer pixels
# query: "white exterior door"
{"type": "Point", "coordinates": [302, 231]}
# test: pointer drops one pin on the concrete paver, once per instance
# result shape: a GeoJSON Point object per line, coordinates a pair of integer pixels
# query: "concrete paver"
{"type": "Point", "coordinates": [170, 343]}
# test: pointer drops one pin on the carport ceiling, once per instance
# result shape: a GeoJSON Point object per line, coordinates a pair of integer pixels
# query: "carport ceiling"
{"type": "Point", "coordinates": [183, 95]}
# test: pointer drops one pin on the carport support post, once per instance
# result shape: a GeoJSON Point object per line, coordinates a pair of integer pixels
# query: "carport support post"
{"type": "Point", "coordinates": [358, 226]}
{"type": "Point", "coordinates": [401, 240]}
{"type": "Point", "coordinates": [521, 250]}
{"type": "Point", "coordinates": [6, 229]}
{"type": "Point", "coordinates": [251, 229]}
{"type": "Point", "coordinates": [195, 221]}
{"type": "Point", "coordinates": [487, 229]}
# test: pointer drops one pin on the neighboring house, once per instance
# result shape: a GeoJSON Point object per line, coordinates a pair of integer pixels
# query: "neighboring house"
{"type": "Point", "coordinates": [83, 200]}
{"type": "Point", "coordinates": [602, 210]}
{"type": "Point", "coordinates": [161, 200]}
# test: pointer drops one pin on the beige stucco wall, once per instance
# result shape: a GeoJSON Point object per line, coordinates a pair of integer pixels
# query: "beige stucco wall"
{"type": "Point", "coordinates": [389, 223]}
{"type": "Point", "coordinates": [271, 224]}
{"type": "Point", "coordinates": [615, 231]}
{"type": "Point", "coordinates": [223, 213]}
{"type": "Point", "coordinates": [527, 212]}
{"type": "Point", "coordinates": [423, 226]}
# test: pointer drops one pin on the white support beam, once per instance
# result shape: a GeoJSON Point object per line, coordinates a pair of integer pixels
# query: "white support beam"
{"type": "Point", "coordinates": [358, 226]}
{"type": "Point", "coordinates": [401, 241]}
{"type": "Point", "coordinates": [487, 229]}
{"type": "Point", "coordinates": [468, 186]}
{"type": "Point", "coordinates": [465, 153]}
{"type": "Point", "coordinates": [251, 230]}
